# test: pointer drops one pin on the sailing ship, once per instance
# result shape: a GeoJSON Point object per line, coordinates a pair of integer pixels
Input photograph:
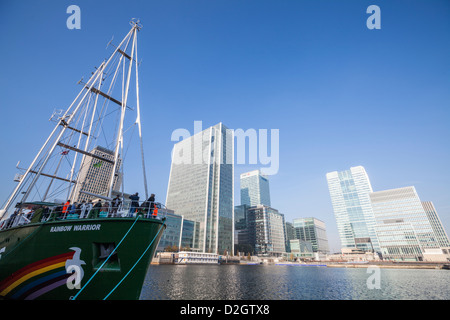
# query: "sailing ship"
{"type": "Point", "coordinates": [68, 229]}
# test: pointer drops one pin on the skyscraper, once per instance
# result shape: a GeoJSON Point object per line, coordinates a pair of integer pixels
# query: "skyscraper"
{"type": "Point", "coordinates": [201, 187]}
{"type": "Point", "coordinates": [436, 224]}
{"type": "Point", "coordinates": [260, 230]}
{"type": "Point", "coordinates": [254, 189]}
{"type": "Point", "coordinates": [403, 228]}
{"type": "Point", "coordinates": [266, 230]}
{"type": "Point", "coordinates": [349, 191]}
{"type": "Point", "coordinates": [241, 232]}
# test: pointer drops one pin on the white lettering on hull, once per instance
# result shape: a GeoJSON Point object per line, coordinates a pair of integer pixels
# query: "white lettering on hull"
{"type": "Point", "coordinates": [85, 227]}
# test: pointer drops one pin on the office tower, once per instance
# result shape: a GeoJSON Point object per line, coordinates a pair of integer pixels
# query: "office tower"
{"type": "Point", "coordinates": [289, 233]}
{"type": "Point", "coordinates": [179, 232]}
{"type": "Point", "coordinates": [266, 230]}
{"type": "Point", "coordinates": [241, 240]}
{"type": "Point", "coordinates": [188, 231]}
{"type": "Point", "coordinates": [402, 225]}
{"type": "Point", "coordinates": [260, 230]}
{"type": "Point", "coordinates": [201, 187]}
{"type": "Point", "coordinates": [436, 224]}
{"type": "Point", "coordinates": [172, 234]}
{"type": "Point", "coordinates": [349, 191]}
{"type": "Point", "coordinates": [314, 231]}
{"type": "Point", "coordinates": [254, 189]}
{"type": "Point", "coordinates": [95, 175]}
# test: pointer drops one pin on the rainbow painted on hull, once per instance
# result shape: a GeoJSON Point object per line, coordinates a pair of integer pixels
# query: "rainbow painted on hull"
{"type": "Point", "coordinates": [47, 274]}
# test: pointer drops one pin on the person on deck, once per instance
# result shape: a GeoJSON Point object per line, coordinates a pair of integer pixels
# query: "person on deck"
{"type": "Point", "coordinates": [89, 207]}
{"type": "Point", "coordinates": [73, 208]}
{"type": "Point", "coordinates": [115, 205]}
{"type": "Point", "coordinates": [83, 208]}
{"type": "Point", "coordinates": [151, 204]}
{"type": "Point", "coordinates": [57, 213]}
{"type": "Point", "coordinates": [134, 203]}
{"type": "Point", "coordinates": [65, 209]}
{"type": "Point", "coordinates": [104, 209]}
{"type": "Point", "coordinates": [95, 210]}
{"type": "Point", "coordinates": [37, 216]}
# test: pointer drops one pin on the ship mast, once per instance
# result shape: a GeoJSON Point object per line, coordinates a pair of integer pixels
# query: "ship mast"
{"type": "Point", "coordinates": [79, 118]}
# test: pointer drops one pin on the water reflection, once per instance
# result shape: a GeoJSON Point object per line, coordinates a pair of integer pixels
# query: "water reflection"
{"type": "Point", "coordinates": [235, 282]}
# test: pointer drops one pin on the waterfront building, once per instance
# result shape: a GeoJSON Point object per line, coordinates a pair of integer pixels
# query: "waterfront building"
{"type": "Point", "coordinates": [436, 224]}
{"type": "Point", "coordinates": [260, 230]}
{"type": "Point", "coordinates": [201, 187]}
{"type": "Point", "coordinates": [301, 249]}
{"type": "Point", "coordinates": [188, 234]}
{"type": "Point", "coordinates": [95, 175]}
{"type": "Point", "coordinates": [349, 192]}
{"type": "Point", "coordinates": [266, 231]}
{"type": "Point", "coordinates": [240, 217]}
{"type": "Point", "coordinates": [254, 189]}
{"type": "Point", "coordinates": [314, 231]}
{"type": "Point", "coordinates": [241, 235]}
{"type": "Point", "coordinates": [403, 227]}
{"type": "Point", "coordinates": [353, 255]}
{"type": "Point", "coordinates": [172, 233]}
{"type": "Point", "coordinates": [289, 233]}
{"type": "Point", "coordinates": [179, 231]}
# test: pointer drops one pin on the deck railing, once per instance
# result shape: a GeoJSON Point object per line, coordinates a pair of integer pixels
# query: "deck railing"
{"type": "Point", "coordinates": [90, 210]}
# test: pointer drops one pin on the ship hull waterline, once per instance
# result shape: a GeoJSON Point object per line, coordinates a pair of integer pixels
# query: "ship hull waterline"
{"type": "Point", "coordinates": [55, 260]}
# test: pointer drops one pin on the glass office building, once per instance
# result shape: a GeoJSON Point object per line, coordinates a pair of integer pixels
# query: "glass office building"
{"type": "Point", "coordinates": [314, 231]}
{"type": "Point", "coordinates": [436, 224]}
{"type": "Point", "coordinates": [188, 231]}
{"type": "Point", "coordinates": [289, 235]}
{"type": "Point", "coordinates": [241, 240]}
{"type": "Point", "coordinates": [172, 233]}
{"type": "Point", "coordinates": [254, 189]}
{"type": "Point", "coordinates": [266, 230]}
{"type": "Point", "coordinates": [179, 232]}
{"type": "Point", "coordinates": [201, 187]}
{"type": "Point", "coordinates": [349, 192]}
{"type": "Point", "coordinates": [259, 230]}
{"type": "Point", "coordinates": [402, 225]}
{"type": "Point", "coordinates": [301, 249]}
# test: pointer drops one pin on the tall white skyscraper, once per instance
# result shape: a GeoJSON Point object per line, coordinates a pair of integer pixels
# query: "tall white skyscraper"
{"type": "Point", "coordinates": [201, 187]}
{"type": "Point", "coordinates": [254, 189]}
{"type": "Point", "coordinates": [403, 226]}
{"type": "Point", "coordinates": [349, 191]}
{"type": "Point", "coordinates": [436, 224]}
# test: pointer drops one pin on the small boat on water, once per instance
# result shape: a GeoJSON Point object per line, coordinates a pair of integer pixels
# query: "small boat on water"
{"type": "Point", "coordinates": [190, 257]}
{"type": "Point", "coordinates": [68, 230]}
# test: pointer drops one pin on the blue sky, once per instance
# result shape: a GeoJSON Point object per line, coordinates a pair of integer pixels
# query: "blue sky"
{"type": "Point", "coordinates": [340, 94]}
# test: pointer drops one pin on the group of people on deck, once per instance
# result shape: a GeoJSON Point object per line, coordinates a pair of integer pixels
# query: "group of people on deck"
{"type": "Point", "coordinates": [84, 209]}
{"type": "Point", "coordinates": [105, 209]}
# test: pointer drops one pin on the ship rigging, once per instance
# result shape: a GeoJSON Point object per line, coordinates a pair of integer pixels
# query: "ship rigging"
{"type": "Point", "coordinates": [56, 172]}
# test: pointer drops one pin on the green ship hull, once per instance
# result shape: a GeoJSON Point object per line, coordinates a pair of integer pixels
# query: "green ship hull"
{"type": "Point", "coordinates": [60, 260]}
